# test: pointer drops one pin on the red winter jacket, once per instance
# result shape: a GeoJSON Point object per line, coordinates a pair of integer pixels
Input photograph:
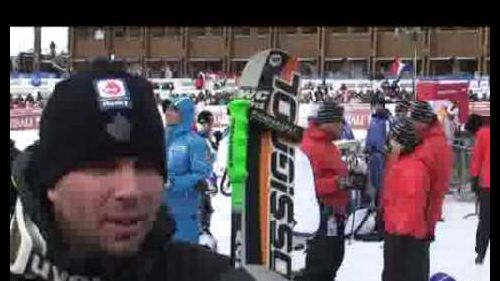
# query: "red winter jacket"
{"type": "Point", "coordinates": [198, 83]}
{"type": "Point", "coordinates": [480, 162]}
{"type": "Point", "coordinates": [437, 154]}
{"type": "Point", "coordinates": [405, 197]}
{"type": "Point", "coordinates": [327, 166]}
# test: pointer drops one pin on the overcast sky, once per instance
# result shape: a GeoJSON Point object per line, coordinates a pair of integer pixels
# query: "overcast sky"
{"type": "Point", "coordinates": [22, 39]}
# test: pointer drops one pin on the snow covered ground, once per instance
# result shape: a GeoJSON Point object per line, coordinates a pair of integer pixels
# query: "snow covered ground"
{"type": "Point", "coordinates": [24, 138]}
{"type": "Point", "coordinates": [451, 253]}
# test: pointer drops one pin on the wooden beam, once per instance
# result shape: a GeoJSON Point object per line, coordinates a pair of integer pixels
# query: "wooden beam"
{"type": "Point", "coordinates": [71, 47]}
{"type": "Point", "coordinates": [37, 48]}
{"type": "Point", "coordinates": [322, 50]}
{"type": "Point", "coordinates": [374, 49]}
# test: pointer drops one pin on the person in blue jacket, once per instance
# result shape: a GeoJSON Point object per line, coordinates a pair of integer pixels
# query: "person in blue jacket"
{"type": "Point", "coordinates": [346, 132]}
{"type": "Point", "coordinates": [188, 167]}
{"type": "Point", "coordinates": [376, 140]}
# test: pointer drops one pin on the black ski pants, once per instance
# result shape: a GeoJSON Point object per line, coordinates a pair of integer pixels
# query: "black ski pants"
{"type": "Point", "coordinates": [325, 253]}
{"type": "Point", "coordinates": [405, 258]}
{"type": "Point", "coordinates": [483, 227]}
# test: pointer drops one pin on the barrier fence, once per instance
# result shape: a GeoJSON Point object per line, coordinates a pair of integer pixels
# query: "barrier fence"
{"type": "Point", "coordinates": [460, 182]}
{"type": "Point", "coordinates": [358, 114]}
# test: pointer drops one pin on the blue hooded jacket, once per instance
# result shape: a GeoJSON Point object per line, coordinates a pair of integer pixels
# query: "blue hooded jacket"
{"type": "Point", "coordinates": [188, 156]}
{"type": "Point", "coordinates": [375, 142]}
{"type": "Point", "coordinates": [378, 131]}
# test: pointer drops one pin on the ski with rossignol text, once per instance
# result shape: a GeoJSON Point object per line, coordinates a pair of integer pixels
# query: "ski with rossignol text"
{"type": "Point", "coordinates": [272, 81]}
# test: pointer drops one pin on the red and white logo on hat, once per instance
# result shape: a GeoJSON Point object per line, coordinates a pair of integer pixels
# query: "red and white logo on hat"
{"type": "Point", "coordinates": [111, 88]}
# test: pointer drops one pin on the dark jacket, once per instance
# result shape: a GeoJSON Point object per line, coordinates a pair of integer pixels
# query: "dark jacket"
{"type": "Point", "coordinates": [13, 193]}
{"type": "Point", "coordinates": [159, 259]}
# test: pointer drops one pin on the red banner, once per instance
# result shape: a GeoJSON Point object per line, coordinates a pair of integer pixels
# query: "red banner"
{"type": "Point", "coordinates": [25, 119]}
{"type": "Point", "coordinates": [480, 108]}
{"type": "Point", "coordinates": [357, 114]}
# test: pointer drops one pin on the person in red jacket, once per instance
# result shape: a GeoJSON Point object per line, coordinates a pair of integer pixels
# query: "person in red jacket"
{"type": "Point", "coordinates": [480, 173]}
{"type": "Point", "coordinates": [436, 152]}
{"type": "Point", "coordinates": [326, 250]}
{"type": "Point", "coordinates": [406, 199]}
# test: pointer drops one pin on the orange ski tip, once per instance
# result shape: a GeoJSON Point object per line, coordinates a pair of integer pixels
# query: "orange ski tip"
{"type": "Point", "coordinates": [290, 67]}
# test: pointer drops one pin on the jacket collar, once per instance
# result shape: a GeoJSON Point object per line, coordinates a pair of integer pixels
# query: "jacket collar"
{"type": "Point", "coordinates": [314, 132]}
{"type": "Point", "coordinates": [435, 130]}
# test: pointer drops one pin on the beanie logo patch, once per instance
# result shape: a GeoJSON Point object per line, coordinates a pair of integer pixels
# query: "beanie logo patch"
{"type": "Point", "coordinates": [112, 94]}
{"type": "Point", "coordinates": [119, 128]}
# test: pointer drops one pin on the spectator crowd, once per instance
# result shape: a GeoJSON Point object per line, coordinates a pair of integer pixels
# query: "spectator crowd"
{"type": "Point", "coordinates": [218, 94]}
{"type": "Point", "coordinates": [27, 102]}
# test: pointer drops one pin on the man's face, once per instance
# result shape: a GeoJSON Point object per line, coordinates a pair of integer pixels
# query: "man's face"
{"type": "Point", "coordinates": [172, 116]}
{"type": "Point", "coordinates": [378, 107]}
{"type": "Point", "coordinates": [108, 207]}
{"type": "Point", "coordinates": [420, 127]}
{"type": "Point", "coordinates": [207, 126]}
{"type": "Point", "coordinates": [401, 113]}
{"type": "Point", "coordinates": [333, 129]}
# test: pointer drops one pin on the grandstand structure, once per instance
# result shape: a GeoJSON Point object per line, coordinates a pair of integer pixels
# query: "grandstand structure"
{"type": "Point", "coordinates": [345, 52]}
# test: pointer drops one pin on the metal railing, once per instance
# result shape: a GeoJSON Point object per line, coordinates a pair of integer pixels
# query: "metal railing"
{"type": "Point", "coordinates": [460, 182]}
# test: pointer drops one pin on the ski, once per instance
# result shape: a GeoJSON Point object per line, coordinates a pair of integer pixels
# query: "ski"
{"type": "Point", "coordinates": [271, 77]}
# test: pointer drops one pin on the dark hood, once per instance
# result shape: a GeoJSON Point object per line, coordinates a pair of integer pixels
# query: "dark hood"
{"type": "Point", "coordinates": [13, 151]}
{"type": "Point", "coordinates": [38, 208]}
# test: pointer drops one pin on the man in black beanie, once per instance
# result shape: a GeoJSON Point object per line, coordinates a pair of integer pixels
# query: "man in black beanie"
{"type": "Point", "coordinates": [406, 198]}
{"type": "Point", "coordinates": [480, 181]}
{"type": "Point", "coordinates": [89, 192]}
{"type": "Point", "coordinates": [435, 151]}
{"type": "Point", "coordinates": [325, 251]}
{"type": "Point", "coordinates": [402, 107]}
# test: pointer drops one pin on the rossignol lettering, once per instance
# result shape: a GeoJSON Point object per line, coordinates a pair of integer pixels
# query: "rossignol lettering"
{"type": "Point", "coordinates": [238, 260]}
{"type": "Point", "coordinates": [260, 99]}
{"type": "Point", "coordinates": [282, 179]}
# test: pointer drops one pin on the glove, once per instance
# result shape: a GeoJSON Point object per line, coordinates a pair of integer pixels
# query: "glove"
{"type": "Point", "coordinates": [367, 151]}
{"type": "Point", "coordinates": [430, 238]}
{"type": "Point", "coordinates": [218, 136]}
{"type": "Point", "coordinates": [475, 185]}
{"type": "Point", "coordinates": [201, 186]}
{"type": "Point", "coordinates": [344, 183]}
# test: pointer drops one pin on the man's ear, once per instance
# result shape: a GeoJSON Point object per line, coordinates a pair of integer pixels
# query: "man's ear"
{"type": "Point", "coordinates": [52, 195]}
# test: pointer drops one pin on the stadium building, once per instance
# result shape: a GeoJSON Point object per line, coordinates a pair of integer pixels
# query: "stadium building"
{"type": "Point", "coordinates": [332, 52]}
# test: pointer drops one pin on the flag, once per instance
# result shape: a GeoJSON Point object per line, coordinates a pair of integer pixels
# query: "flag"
{"type": "Point", "coordinates": [397, 67]}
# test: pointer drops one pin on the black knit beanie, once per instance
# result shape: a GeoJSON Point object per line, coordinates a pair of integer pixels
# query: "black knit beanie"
{"type": "Point", "coordinates": [205, 117]}
{"type": "Point", "coordinates": [421, 111]}
{"type": "Point", "coordinates": [402, 106]}
{"type": "Point", "coordinates": [403, 132]}
{"type": "Point", "coordinates": [329, 112]}
{"type": "Point", "coordinates": [98, 116]}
